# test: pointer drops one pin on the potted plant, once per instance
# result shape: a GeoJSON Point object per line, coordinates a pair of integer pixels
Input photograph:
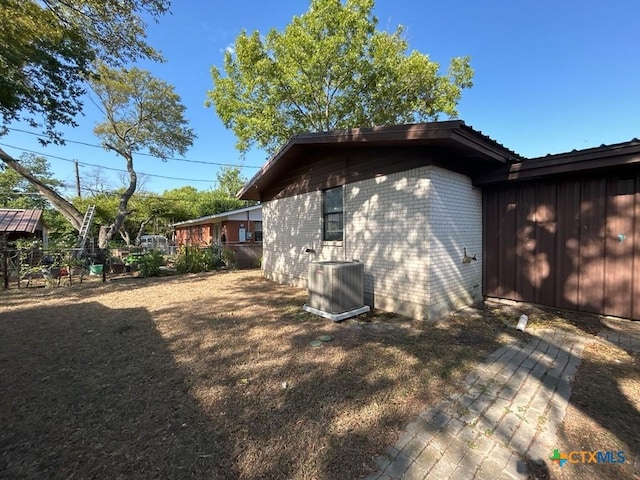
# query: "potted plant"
{"type": "Point", "coordinates": [117, 265]}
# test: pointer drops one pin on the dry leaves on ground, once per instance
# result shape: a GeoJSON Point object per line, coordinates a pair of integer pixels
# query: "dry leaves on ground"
{"type": "Point", "coordinates": [213, 376]}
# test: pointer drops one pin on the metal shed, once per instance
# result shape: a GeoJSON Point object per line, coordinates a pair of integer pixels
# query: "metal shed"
{"type": "Point", "coordinates": [18, 223]}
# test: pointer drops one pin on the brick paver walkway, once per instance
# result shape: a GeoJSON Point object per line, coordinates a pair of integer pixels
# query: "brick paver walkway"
{"type": "Point", "coordinates": [511, 407]}
{"type": "Point", "coordinates": [626, 342]}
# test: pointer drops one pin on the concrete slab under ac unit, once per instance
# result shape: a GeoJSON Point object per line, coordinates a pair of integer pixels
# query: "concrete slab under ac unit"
{"type": "Point", "coordinates": [337, 317]}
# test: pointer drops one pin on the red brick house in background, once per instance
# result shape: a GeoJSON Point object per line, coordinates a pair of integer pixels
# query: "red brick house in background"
{"type": "Point", "coordinates": [236, 226]}
{"type": "Point", "coordinates": [239, 230]}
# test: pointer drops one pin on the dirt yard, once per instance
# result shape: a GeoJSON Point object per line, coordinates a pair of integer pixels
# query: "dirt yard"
{"type": "Point", "coordinates": [214, 376]}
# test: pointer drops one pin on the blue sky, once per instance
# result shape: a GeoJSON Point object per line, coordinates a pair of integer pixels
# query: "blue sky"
{"type": "Point", "coordinates": [550, 76]}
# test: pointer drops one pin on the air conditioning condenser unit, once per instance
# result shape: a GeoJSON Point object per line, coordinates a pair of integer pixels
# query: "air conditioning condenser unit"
{"type": "Point", "coordinates": [336, 289]}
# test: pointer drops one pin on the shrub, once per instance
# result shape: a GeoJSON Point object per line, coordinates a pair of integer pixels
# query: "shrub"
{"type": "Point", "coordinates": [192, 259]}
{"type": "Point", "coordinates": [229, 258]}
{"type": "Point", "coordinates": [150, 263]}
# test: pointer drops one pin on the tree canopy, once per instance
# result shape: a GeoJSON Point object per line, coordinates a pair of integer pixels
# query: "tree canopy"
{"type": "Point", "coordinates": [230, 181]}
{"type": "Point", "coordinates": [140, 113]}
{"type": "Point", "coordinates": [47, 50]}
{"type": "Point", "coordinates": [330, 68]}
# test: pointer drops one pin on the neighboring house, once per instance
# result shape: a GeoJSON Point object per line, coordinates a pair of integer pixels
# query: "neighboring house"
{"type": "Point", "coordinates": [235, 226]}
{"type": "Point", "coordinates": [440, 215]}
{"type": "Point", "coordinates": [18, 224]}
{"type": "Point", "coordinates": [240, 230]}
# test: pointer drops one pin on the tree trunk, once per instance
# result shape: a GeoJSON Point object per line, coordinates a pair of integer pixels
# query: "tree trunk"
{"type": "Point", "coordinates": [67, 210]}
{"type": "Point", "coordinates": [124, 234]}
{"type": "Point", "coordinates": [141, 229]}
{"type": "Point", "coordinates": [123, 210]}
{"type": "Point", "coordinates": [102, 235]}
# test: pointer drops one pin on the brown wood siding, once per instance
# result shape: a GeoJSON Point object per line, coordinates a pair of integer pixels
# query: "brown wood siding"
{"type": "Point", "coordinates": [570, 243]}
{"type": "Point", "coordinates": [326, 168]}
{"type": "Point", "coordinates": [546, 226]}
{"type": "Point", "coordinates": [491, 220]}
{"type": "Point", "coordinates": [592, 216]}
{"type": "Point", "coordinates": [618, 258]}
{"type": "Point", "coordinates": [567, 249]}
{"type": "Point", "coordinates": [635, 294]}
{"type": "Point", "coordinates": [507, 246]}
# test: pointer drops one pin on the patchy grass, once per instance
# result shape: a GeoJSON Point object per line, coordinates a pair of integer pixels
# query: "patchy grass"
{"type": "Point", "coordinates": [213, 376]}
{"type": "Point", "coordinates": [604, 413]}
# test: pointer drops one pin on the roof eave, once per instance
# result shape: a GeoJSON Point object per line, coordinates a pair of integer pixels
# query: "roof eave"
{"type": "Point", "coordinates": [217, 216]}
{"type": "Point", "coordinates": [453, 130]}
{"type": "Point", "coordinates": [592, 159]}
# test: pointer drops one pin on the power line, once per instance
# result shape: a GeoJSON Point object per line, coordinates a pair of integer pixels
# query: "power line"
{"type": "Point", "coordinates": [135, 196]}
{"type": "Point", "coordinates": [139, 153]}
{"type": "Point", "coordinates": [85, 164]}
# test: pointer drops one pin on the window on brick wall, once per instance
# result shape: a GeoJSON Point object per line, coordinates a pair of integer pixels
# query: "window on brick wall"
{"type": "Point", "coordinates": [332, 214]}
{"type": "Point", "coordinates": [257, 231]}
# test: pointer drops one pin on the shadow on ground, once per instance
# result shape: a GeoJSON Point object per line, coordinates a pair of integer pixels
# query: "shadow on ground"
{"type": "Point", "coordinates": [224, 385]}
{"type": "Point", "coordinates": [92, 392]}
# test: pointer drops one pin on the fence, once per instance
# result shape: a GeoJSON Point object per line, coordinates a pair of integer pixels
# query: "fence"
{"type": "Point", "coordinates": [248, 255]}
{"type": "Point", "coordinates": [49, 266]}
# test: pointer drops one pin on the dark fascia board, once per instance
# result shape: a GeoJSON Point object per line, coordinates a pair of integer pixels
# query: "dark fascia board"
{"type": "Point", "coordinates": [215, 218]}
{"type": "Point", "coordinates": [453, 132]}
{"type": "Point", "coordinates": [484, 145]}
{"type": "Point", "coordinates": [603, 157]}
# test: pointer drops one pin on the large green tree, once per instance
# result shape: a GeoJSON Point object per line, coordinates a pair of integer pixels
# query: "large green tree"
{"type": "Point", "coordinates": [230, 181]}
{"type": "Point", "coordinates": [330, 68]}
{"type": "Point", "coordinates": [48, 48]}
{"type": "Point", "coordinates": [48, 51]}
{"type": "Point", "coordinates": [141, 113]}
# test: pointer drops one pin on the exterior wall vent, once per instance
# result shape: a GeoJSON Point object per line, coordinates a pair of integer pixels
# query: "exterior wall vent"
{"type": "Point", "coordinates": [336, 289]}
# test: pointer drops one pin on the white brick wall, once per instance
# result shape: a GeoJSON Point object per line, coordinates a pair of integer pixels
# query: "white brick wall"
{"type": "Point", "coordinates": [387, 228]}
{"type": "Point", "coordinates": [456, 224]}
{"type": "Point", "coordinates": [408, 228]}
{"type": "Point", "coordinates": [290, 226]}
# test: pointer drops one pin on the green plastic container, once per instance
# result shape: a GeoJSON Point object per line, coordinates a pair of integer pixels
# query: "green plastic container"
{"type": "Point", "coordinates": [95, 269]}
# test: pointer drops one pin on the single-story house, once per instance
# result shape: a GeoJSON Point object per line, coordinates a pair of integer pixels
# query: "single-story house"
{"type": "Point", "coordinates": [239, 230]}
{"type": "Point", "coordinates": [441, 216]}
{"type": "Point", "coordinates": [18, 224]}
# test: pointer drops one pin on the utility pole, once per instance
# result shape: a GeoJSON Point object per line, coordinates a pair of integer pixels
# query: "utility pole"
{"type": "Point", "coordinates": [78, 192]}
